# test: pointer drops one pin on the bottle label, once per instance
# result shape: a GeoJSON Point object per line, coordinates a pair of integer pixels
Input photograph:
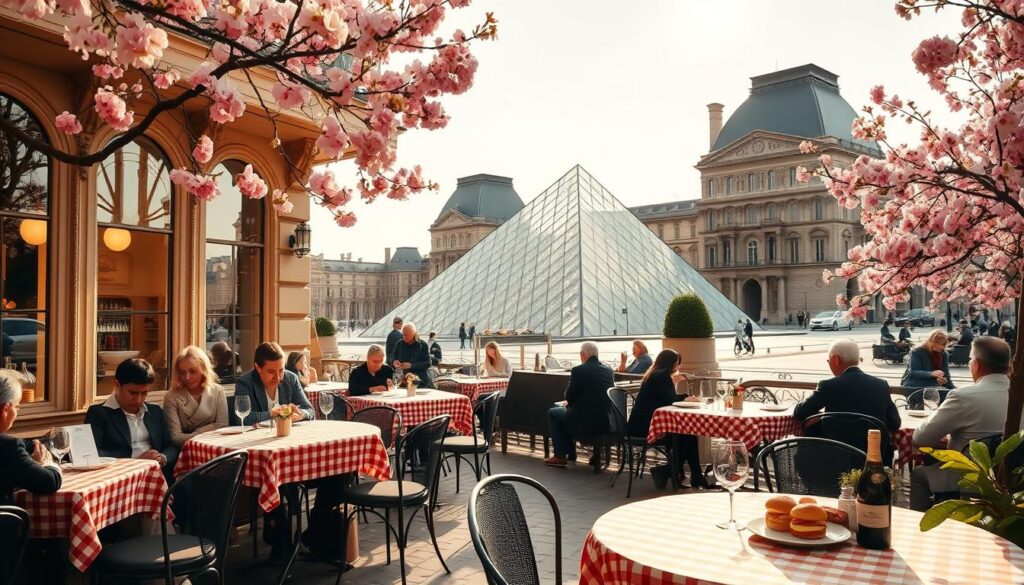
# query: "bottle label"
{"type": "Point", "coordinates": [872, 516]}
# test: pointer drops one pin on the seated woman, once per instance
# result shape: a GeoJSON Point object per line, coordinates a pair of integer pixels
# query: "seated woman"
{"type": "Point", "coordinates": [196, 403]}
{"type": "Point", "coordinates": [296, 364]}
{"type": "Point", "coordinates": [929, 366]}
{"type": "Point", "coordinates": [658, 389]}
{"type": "Point", "coordinates": [641, 359]}
{"type": "Point", "coordinates": [494, 365]}
{"type": "Point", "coordinates": [887, 336]}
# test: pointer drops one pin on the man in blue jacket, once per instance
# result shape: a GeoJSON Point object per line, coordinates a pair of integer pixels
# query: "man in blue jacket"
{"type": "Point", "coordinates": [269, 384]}
{"type": "Point", "coordinates": [26, 464]}
{"type": "Point", "coordinates": [412, 355]}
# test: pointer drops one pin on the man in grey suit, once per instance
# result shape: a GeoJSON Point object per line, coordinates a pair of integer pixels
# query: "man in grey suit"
{"type": "Point", "coordinates": [970, 412]}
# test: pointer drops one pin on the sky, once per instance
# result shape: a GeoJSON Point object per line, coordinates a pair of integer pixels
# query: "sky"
{"type": "Point", "coordinates": [621, 88]}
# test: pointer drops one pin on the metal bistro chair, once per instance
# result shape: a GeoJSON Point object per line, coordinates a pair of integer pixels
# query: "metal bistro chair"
{"type": "Point", "coordinates": [627, 443]}
{"type": "Point", "coordinates": [385, 418]}
{"type": "Point", "coordinates": [806, 465]}
{"type": "Point", "coordinates": [342, 410]}
{"type": "Point", "coordinates": [760, 394]}
{"type": "Point", "coordinates": [915, 400]}
{"type": "Point", "coordinates": [460, 447]}
{"type": "Point", "coordinates": [399, 494]}
{"type": "Point", "coordinates": [203, 546]}
{"type": "Point", "coordinates": [500, 534]}
{"type": "Point", "coordinates": [852, 425]}
{"type": "Point", "coordinates": [14, 524]}
{"type": "Point", "coordinates": [447, 384]}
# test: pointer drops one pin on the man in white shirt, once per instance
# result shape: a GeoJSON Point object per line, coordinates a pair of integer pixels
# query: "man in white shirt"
{"type": "Point", "coordinates": [970, 412]}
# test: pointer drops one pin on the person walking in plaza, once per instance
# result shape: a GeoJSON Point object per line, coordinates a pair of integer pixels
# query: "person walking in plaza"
{"type": "Point", "coordinates": [472, 333]}
{"type": "Point", "coordinates": [749, 332]}
{"type": "Point", "coordinates": [800, 319]}
{"type": "Point", "coordinates": [586, 410]}
{"type": "Point", "coordinates": [462, 335]}
{"type": "Point", "coordinates": [435, 349]}
{"type": "Point", "coordinates": [393, 338]}
{"type": "Point", "coordinates": [741, 338]}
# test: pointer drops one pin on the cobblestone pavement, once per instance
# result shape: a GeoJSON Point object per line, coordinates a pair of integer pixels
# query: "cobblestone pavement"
{"type": "Point", "coordinates": [582, 497]}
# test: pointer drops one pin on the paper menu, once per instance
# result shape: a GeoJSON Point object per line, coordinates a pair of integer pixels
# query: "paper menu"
{"type": "Point", "coordinates": [83, 444]}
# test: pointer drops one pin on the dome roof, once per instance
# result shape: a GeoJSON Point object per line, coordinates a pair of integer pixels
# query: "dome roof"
{"type": "Point", "coordinates": [803, 101]}
{"type": "Point", "coordinates": [486, 196]}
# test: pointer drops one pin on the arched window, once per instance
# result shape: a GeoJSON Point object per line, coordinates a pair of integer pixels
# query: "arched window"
{"type": "Point", "coordinates": [752, 253]}
{"type": "Point", "coordinates": [751, 183]}
{"type": "Point", "coordinates": [234, 233]}
{"type": "Point", "coordinates": [134, 207]}
{"type": "Point", "coordinates": [25, 234]}
{"type": "Point", "coordinates": [771, 180]}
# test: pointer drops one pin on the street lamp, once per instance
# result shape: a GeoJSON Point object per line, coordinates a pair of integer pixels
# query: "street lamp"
{"type": "Point", "coordinates": [626, 313]}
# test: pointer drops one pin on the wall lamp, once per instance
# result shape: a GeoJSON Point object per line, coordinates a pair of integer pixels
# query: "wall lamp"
{"type": "Point", "coordinates": [299, 241]}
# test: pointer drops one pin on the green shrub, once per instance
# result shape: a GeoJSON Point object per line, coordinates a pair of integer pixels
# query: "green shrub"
{"type": "Point", "coordinates": [688, 317]}
{"type": "Point", "coordinates": [325, 327]}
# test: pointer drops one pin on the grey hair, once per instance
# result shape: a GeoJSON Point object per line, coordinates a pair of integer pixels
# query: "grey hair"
{"type": "Point", "coordinates": [411, 326]}
{"type": "Point", "coordinates": [589, 349]}
{"type": "Point", "coordinates": [846, 350]}
{"type": "Point", "coordinates": [374, 350]}
{"type": "Point", "coordinates": [10, 389]}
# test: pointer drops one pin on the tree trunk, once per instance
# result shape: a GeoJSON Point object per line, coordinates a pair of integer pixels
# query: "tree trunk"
{"type": "Point", "coordinates": [1015, 402]}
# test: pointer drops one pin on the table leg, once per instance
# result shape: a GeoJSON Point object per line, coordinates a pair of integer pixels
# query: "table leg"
{"type": "Point", "coordinates": [504, 442]}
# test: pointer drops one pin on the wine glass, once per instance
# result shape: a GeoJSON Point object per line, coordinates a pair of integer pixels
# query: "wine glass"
{"type": "Point", "coordinates": [930, 398]}
{"type": "Point", "coordinates": [243, 406]}
{"type": "Point", "coordinates": [732, 465]}
{"type": "Point", "coordinates": [60, 443]}
{"type": "Point", "coordinates": [707, 393]}
{"type": "Point", "coordinates": [720, 389]}
{"type": "Point", "coordinates": [326, 400]}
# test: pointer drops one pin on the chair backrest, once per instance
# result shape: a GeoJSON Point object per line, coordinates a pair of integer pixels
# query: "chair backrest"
{"type": "Point", "coordinates": [619, 400]}
{"type": "Point", "coordinates": [208, 495]}
{"type": "Point", "coordinates": [915, 400]}
{"type": "Point", "coordinates": [14, 523]}
{"type": "Point", "coordinates": [447, 385]}
{"type": "Point", "coordinates": [467, 370]}
{"type": "Point", "coordinates": [806, 465]}
{"type": "Point", "coordinates": [550, 363]}
{"type": "Point", "coordinates": [850, 428]}
{"type": "Point", "coordinates": [387, 419]}
{"type": "Point", "coordinates": [427, 441]}
{"type": "Point", "coordinates": [500, 534]}
{"type": "Point", "coordinates": [760, 394]}
{"type": "Point", "coordinates": [342, 410]}
{"type": "Point", "coordinates": [486, 411]}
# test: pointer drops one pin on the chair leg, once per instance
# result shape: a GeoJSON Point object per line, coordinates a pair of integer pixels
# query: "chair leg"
{"type": "Point", "coordinates": [433, 539]}
{"type": "Point", "coordinates": [254, 525]}
{"type": "Point", "coordinates": [487, 458]}
{"type": "Point", "coordinates": [630, 460]}
{"type": "Point", "coordinates": [476, 465]}
{"type": "Point", "coordinates": [458, 472]}
{"type": "Point", "coordinates": [387, 533]}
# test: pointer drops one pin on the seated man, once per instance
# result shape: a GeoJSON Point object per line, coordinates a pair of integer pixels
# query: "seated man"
{"type": "Point", "coordinates": [905, 335]}
{"type": "Point", "coordinates": [269, 384]}
{"type": "Point", "coordinates": [970, 412]}
{"type": "Point", "coordinates": [966, 334]}
{"type": "Point", "coordinates": [587, 409]}
{"type": "Point", "coordinates": [851, 390]}
{"type": "Point", "coordinates": [373, 376]}
{"type": "Point", "coordinates": [124, 426]}
{"type": "Point", "coordinates": [26, 464]}
{"type": "Point", "coordinates": [887, 336]}
{"type": "Point", "coordinates": [412, 355]}
{"type": "Point", "coordinates": [641, 359]}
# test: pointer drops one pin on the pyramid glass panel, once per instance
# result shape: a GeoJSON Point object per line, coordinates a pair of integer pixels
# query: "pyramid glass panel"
{"type": "Point", "coordinates": [567, 264]}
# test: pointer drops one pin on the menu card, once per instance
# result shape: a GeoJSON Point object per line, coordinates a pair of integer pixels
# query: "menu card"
{"type": "Point", "coordinates": [83, 444]}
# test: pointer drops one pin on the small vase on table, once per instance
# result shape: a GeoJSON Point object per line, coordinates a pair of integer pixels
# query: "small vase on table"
{"type": "Point", "coordinates": [284, 426]}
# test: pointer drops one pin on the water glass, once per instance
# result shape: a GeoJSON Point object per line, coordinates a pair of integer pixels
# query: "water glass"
{"type": "Point", "coordinates": [707, 393]}
{"type": "Point", "coordinates": [60, 443]}
{"type": "Point", "coordinates": [326, 400]}
{"type": "Point", "coordinates": [243, 406]}
{"type": "Point", "coordinates": [732, 466]}
{"type": "Point", "coordinates": [930, 398]}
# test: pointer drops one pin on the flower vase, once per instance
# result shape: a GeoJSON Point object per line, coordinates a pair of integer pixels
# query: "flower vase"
{"type": "Point", "coordinates": [737, 403]}
{"type": "Point", "coordinates": [411, 389]}
{"type": "Point", "coordinates": [284, 426]}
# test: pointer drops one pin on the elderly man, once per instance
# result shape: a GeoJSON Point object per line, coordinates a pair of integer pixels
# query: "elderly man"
{"type": "Point", "coordinates": [373, 376]}
{"type": "Point", "coordinates": [393, 338]}
{"type": "Point", "coordinates": [970, 412]}
{"type": "Point", "coordinates": [269, 384]}
{"type": "Point", "coordinates": [586, 410]}
{"type": "Point", "coordinates": [26, 465]}
{"type": "Point", "coordinates": [851, 390]}
{"type": "Point", "coordinates": [124, 426]}
{"type": "Point", "coordinates": [412, 356]}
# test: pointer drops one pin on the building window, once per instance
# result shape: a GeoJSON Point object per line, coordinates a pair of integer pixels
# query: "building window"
{"type": "Point", "coordinates": [772, 211]}
{"type": "Point", "coordinates": [792, 176]}
{"type": "Point", "coordinates": [771, 180]}
{"type": "Point", "coordinates": [693, 230]}
{"type": "Point", "coordinates": [134, 204]}
{"type": "Point", "coordinates": [234, 237]}
{"type": "Point", "coordinates": [730, 218]}
{"type": "Point", "coordinates": [752, 253]}
{"type": "Point", "coordinates": [677, 231]}
{"type": "Point", "coordinates": [661, 232]}
{"type": "Point", "coordinates": [726, 253]}
{"type": "Point", "coordinates": [794, 211]}
{"type": "Point", "coordinates": [25, 231]}
{"type": "Point", "coordinates": [751, 183]}
{"type": "Point", "coordinates": [709, 221]}
{"type": "Point", "coordinates": [771, 249]}
{"type": "Point", "coordinates": [819, 209]}
{"type": "Point", "coordinates": [711, 188]}
{"type": "Point", "coordinates": [794, 250]}
{"type": "Point", "coordinates": [712, 259]}
{"type": "Point", "coordinates": [819, 249]}
{"type": "Point", "coordinates": [751, 215]}
{"type": "Point", "coordinates": [730, 185]}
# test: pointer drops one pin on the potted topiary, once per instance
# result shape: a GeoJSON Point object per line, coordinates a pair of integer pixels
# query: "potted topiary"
{"type": "Point", "coordinates": [327, 335]}
{"type": "Point", "coordinates": [688, 330]}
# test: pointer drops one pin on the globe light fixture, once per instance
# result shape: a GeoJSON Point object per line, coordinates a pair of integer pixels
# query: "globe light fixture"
{"type": "Point", "coordinates": [299, 241]}
{"type": "Point", "coordinates": [33, 231]}
{"type": "Point", "coordinates": [117, 239]}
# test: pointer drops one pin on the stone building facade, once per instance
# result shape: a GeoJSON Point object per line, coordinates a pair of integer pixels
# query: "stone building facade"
{"type": "Point", "coordinates": [357, 293]}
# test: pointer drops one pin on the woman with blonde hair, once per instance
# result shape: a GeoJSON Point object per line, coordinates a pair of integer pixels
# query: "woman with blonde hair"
{"type": "Point", "coordinates": [929, 364]}
{"type": "Point", "coordinates": [494, 365]}
{"type": "Point", "coordinates": [196, 403]}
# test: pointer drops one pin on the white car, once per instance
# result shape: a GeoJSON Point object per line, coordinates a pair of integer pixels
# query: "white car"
{"type": "Point", "coordinates": [834, 320]}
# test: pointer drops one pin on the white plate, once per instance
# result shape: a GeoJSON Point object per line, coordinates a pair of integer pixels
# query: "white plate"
{"type": "Point", "coordinates": [684, 404]}
{"type": "Point", "coordinates": [230, 431]}
{"type": "Point", "coordinates": [774, 407]}
{"type": "Point", "coordinates": [423, 391]}
{"type": "Point", "coordinates": [97, 463]}
{"type": "Point", "coordinates": [834, 534]}
{"type": "Point", "coordinates": [918, 413]}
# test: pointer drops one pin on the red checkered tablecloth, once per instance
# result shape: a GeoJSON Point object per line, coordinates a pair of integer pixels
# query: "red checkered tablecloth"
{"type": "Point", "coordinates": [751, 425]}
{"type": "Point", "coordinates": [423, 407]}
{"type": "Point", "coordinates": [472, 388]}
{"type": "Point", "coordinates": [674, 540]}
{"type": "Point", "coordinates": [314, 449]}
{"type": "Point", "coordinates": [314, 390]}
{"type": "Point", "coordinates": [90, 500]}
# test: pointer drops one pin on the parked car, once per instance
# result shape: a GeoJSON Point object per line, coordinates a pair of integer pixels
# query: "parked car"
{"type": "Point", "coordinates": [21, 339]}
{"type": "Point", "coordinates": [834, 320]}
{"type": "Point", "coordinates": [917, 318]}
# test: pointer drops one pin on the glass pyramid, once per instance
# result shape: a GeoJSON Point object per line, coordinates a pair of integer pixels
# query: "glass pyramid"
{"type": "Point", "coordinates": [567, 264]}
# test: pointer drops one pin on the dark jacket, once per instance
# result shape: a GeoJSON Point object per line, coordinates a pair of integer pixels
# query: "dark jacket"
{"type": "Point", "coordinates": [435, 353]}
{"type": "Point", "coordinates": [418, 356]}
{"type": "Point", "coordinates": [919, 371]}
{"type": "Point", "coordinates": [887, 334]}
{"type": "Point", "coordinates": [966, 337]}
{"type": "Point", "coordinates": [462, 332]}
{"type": "Point", "coordinates": [289, 391]}
{"type": "Point", "coordinates": [904, 334]}
{"type": "Point", "coordinates": [389, 345]}
{"type": "Point", "coordinates": [360, 380]}
{"type": "Point", "coordinates": [587, 399]}
{"type": "Point", "coordinates": [23, 472]}
{"type": "Point", "coordinates": [656, 391]}
{"type": "Point", "coordinates": [749, 328]}
{"type": "Point", "coordinates": [114, 439]}
{"type": "Point", "coordinates": [851, 391]}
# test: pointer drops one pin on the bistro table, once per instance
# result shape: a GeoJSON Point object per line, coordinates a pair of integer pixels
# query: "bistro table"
{"type": "Point", "coordinates": [422, 407]}
{"type": "Point", "coordinates": [90, 500]}
{"type": "Point", "coordinates": [314, 390]}
{"type": "Point", "coordinates": [472, 387]}
{"type": "Point", "coordinates": [751, 425]}
{"type": "Point", "coordinates": [903, 439]}
{"type": "Point", "coordinates": [674, 539]}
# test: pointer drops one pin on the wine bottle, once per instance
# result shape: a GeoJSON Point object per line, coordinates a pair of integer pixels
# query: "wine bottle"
{"type": "Point", "coordinates": [874, 499]}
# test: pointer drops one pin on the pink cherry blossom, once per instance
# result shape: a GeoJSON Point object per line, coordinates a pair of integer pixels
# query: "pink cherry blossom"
{"type": "Point", "coordinates": [345, 219]}
{"type": "Point", "coordinates": [166, 79]}
{"type": "Point", "coordinates": [201, 186]}
{"type": "Point", "coordinates": [251, 184]}
{"type": "Point", "coordinates": [281, 203]}
{"type": "Point", "coordinates": [139, 44]}
{"type": "Point", "coordinates": [107, 71]}
{"type": "Point", "coordinates": [333, 140]}
{"type": "Point", "coordinates": [289, 95]}
{"type": "Point", "coordinates": [934, 53]}
{"type": "Point", "coordinates": [68, 123]}
{"type": "Point", "coordinates": [227, 102]}
{"type": "Point", "coordinates": [82, 36]}
{"type": "Point", "coordinates": [112, 109]}
{"type": "Point", "coordinates": [203, 151]}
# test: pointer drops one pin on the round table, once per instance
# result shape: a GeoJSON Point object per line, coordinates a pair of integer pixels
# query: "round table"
{"type": "Point", "coordinates": [750, 425]}
{"type": "Point", "coordinates": [674, 540]}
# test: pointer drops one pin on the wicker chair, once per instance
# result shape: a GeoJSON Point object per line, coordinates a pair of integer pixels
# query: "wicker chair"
{"type": "Point", "coordinates": [14, 524]}
{"type": "Point", "coordinates": [501, 535]}
{"type": "Point", "coordinates": [202, 547]}
{"type": "Point", "coordinates": [806, 465]}
{"type": "Point", "coordinates": [385, 418]}
{"type": "Point", "coordinates": [447, 385]}
{"type": "Point", "coordinates": [760, 394]}
{"type": "Point", "coordinates": [460, 447]}
{"type": "Point", "coordinates": [342, 410]}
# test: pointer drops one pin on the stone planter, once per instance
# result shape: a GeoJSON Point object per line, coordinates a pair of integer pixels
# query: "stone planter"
{"type": "Point", "coordinates": [328, 345]}
{"type": "Point", "coordinates": [697, 353]}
